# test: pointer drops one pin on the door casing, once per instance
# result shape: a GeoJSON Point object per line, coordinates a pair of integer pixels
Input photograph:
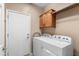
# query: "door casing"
{"type": "Point", "coordinates": [7, 32]}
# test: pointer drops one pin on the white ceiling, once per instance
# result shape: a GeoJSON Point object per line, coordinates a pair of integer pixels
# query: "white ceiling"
{"type": "Point", "coordinates": [41, 5]}
{"type": "Point", "coordinates": [55, 6]}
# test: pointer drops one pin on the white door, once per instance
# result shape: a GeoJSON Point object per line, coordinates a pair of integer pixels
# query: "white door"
{"type": "Point", "coordinates": [1, 34]}
{"type": "Point", "coordinates": [18, 33]}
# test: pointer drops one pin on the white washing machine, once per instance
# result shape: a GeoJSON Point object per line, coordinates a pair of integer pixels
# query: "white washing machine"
{"type": "Point", "coordinates": [57, 45]}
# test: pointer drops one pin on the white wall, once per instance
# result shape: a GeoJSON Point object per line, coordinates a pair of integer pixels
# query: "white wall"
{"type": "Point", "coordinates": [68, 24]}
{"type": "Point", "coordinates": [28, 8]}
{"type": "Point", "coordinates": [35, 12]}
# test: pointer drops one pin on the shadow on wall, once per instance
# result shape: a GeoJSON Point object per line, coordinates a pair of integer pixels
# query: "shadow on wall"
{"type": "Point", "coordinates": [49, 31]}
{"type": "Point", "coordinates": [69, 12]}
{"type": "Point", "coordinates": [76, 53]}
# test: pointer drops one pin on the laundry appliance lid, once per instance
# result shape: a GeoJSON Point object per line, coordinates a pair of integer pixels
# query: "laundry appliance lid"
{"type": "Point", "coordinates": [53, 42]}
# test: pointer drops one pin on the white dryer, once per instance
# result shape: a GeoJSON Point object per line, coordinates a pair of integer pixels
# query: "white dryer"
{"type": "Point", "coordinates": [55, 46]}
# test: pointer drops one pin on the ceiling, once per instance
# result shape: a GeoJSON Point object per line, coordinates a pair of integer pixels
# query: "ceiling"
{"type": "Point", "coordinates": [41, 5]}
{"type": "Point", "coordinates": [55, 6]}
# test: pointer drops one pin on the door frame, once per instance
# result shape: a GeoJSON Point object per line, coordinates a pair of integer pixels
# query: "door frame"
{"type": "Point", "coordinates": [7, 16]}
{"type": "Point", "coordinates": [2, 29]}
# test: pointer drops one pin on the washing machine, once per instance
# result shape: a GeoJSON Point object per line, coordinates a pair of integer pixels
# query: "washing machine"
{"type": "Point", "coordinates": [57, 45]}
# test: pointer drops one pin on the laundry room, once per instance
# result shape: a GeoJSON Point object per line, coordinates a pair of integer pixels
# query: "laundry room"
{"type": "Point", "coordinates": [39, 29]}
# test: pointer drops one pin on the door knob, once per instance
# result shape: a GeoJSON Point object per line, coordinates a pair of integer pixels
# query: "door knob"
{"type": "Point", "coordinates": [27, 37]}
{"type": "Point", "coordinates": [27, 34]}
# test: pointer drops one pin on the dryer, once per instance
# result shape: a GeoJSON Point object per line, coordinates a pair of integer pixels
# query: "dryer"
{"type": "Point", "coordinates": [54, 46]}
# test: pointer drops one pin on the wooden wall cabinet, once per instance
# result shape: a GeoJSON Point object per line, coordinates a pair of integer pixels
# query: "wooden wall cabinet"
{"type": "Point", "coordinates": [48, 19]}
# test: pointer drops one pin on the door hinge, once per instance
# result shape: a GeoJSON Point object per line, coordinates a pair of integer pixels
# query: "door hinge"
{"type": "Point", "coordinates": [7, 35]}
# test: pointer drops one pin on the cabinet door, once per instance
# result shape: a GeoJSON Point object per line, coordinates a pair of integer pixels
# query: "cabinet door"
{"type": "Point", "coordinates": [43, 20]}
{"type": "Point", "coordinates": [48, 20]}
